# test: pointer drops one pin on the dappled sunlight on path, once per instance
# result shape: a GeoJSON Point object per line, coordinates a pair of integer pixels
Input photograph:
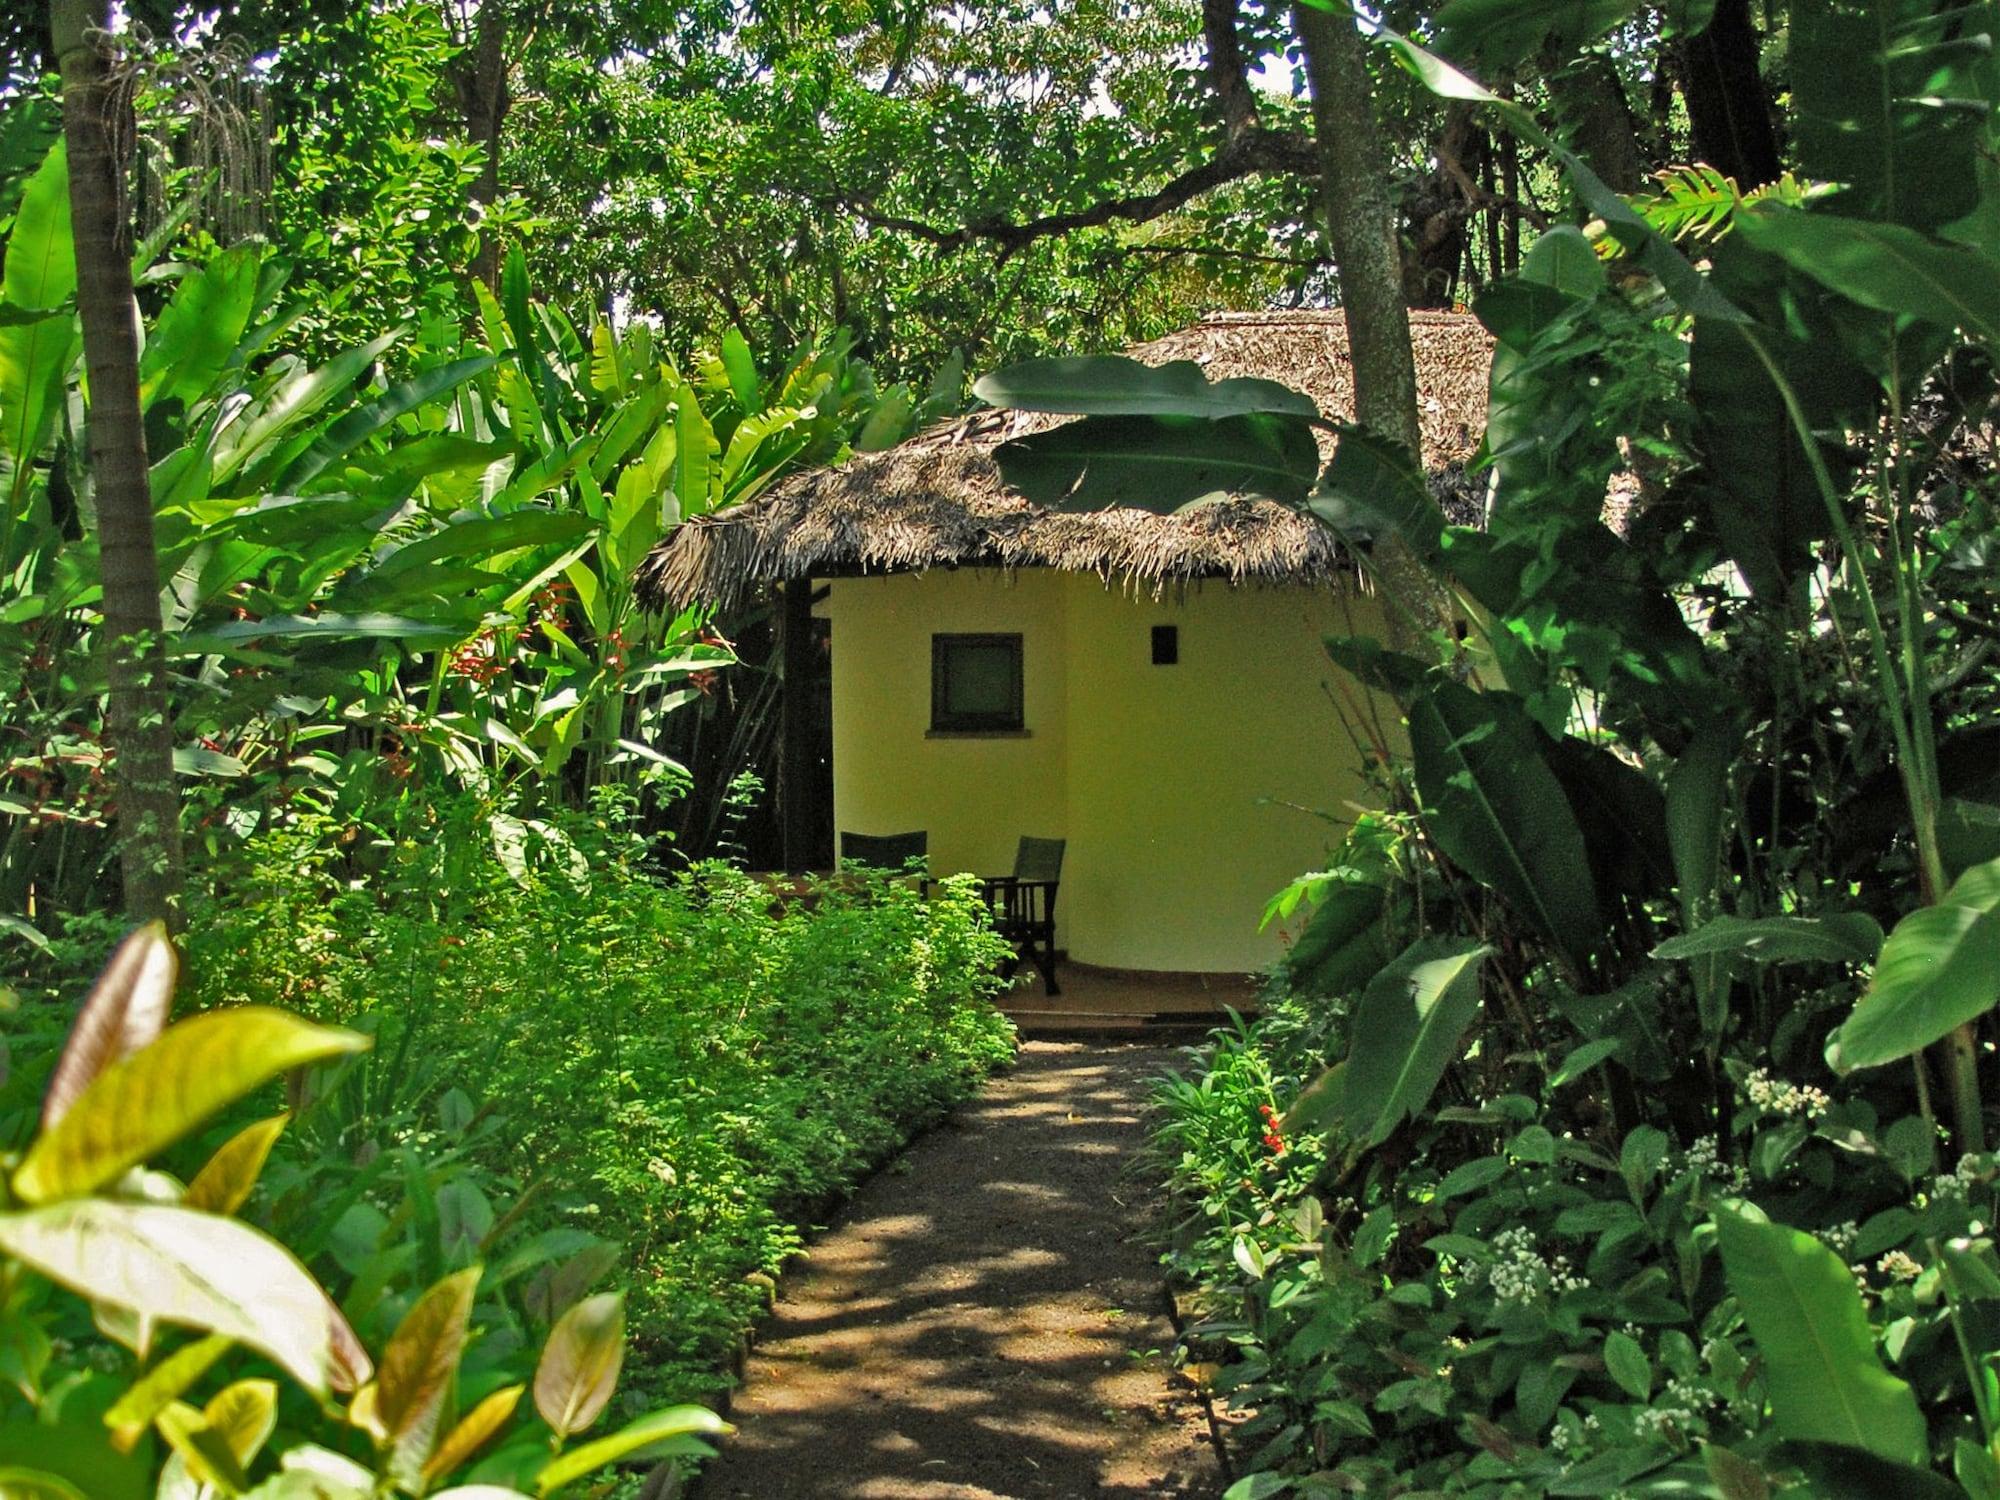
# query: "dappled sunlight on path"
{"type": "Point", "coordinates": [982, 1321]}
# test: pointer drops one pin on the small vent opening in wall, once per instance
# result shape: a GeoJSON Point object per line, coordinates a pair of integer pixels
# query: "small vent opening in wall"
{"type": "Point", "coordinates": [1166, 645]}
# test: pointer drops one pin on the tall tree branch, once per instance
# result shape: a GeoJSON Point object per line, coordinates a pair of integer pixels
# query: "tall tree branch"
{"type": "Point", "coordinates": [1227, 74]}
{"type": "Point", "coordinates": [1257, 152]}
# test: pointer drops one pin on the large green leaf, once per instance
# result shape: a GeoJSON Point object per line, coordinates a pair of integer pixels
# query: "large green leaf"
{"type": "Point", "coordinates": [1697, 808]}
{"type": "Point", "coordinates": [356, 427]}
{"type": "Point", "coordinates": [1837, 1471]}
{"type": "Point", "coordinates": [1764, 499]}
{"type": "Point", "coordinates": [196, 333]}
{"type": "Point", "coordinates": [418, 1367]}
{"type": "Point", "coordinates": [1162, 464]}
{"type": "Point", "coordinates": [1885, 266]}
{"type": "Point", "coordinates": [1891, 100]}
{"type": "Point", "coordinates": [1825, 1382]}
{"type": "Point", "coordinates": [1939, 969]}
{"type": "Point", "coordinates": [1374, 488]}
{"type": "Point", "coordinates": [1850, 937]}
{"type": "Point", "coordinates": [474, 538]}
{"type": "Point", "coordinates": [1499, 812]}
{"type": "Point", "coordinates": [652, 1433]}
{"type": "Point", "coordinates": [578, 1370]}
{"type": "Point", "coordinates": [1407, 1029]}
{"type": "Point", "coordinates": [1115, 385]}
{"type": "Point", "coordinates": [695, 448]}
{"type": "Point", "coordinates": [1968, 833]}
{"type": "Point", "coordinates": [294, 398]}
{"type": "Point", "coordinates": [1345, 941]}
{"type": "Point", "coordinates": [194, 1270]}
{"type": "Point", "coordinates": [1620, 812]}
{"type": "Point", "coordinates": [36, 354]}
{"type": "Point", "coordinates": [147, 1101]}
{"type": "Point", "coordinates": [740, 365]}
{"type": "Point", "coordinates": [329, 625]}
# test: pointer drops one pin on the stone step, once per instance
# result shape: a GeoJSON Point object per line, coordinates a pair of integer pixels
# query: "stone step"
{"type": "Point", "coordinates": [1033, 1022]}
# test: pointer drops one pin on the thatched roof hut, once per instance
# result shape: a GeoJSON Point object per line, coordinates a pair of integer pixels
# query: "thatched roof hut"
{"type": "Point", "coordinates": [938, 500]}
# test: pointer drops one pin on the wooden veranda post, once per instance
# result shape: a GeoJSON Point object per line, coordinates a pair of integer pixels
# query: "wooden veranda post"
{"type": "Point", "coordinates": [795, 741]}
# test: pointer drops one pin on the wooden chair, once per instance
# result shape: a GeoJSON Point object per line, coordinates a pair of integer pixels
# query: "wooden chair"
{"type": "Point", "coordinates": [885, 851]}
{"type": "Point", "coordinates": [1024, 906]}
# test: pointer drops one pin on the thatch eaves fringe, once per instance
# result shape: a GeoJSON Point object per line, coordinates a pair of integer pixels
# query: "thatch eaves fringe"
{"type": "Point", "coordinates": [938, 500]}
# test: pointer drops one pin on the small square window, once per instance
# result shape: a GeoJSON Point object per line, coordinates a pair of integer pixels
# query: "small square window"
{"type": "Point", "coordinates": [975, 683]}
{"type": "Point", "coordinates": [1166, 645]}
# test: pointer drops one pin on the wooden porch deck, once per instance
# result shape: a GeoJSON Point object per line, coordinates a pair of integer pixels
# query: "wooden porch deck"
{"type": "Point", "coordinates": [1121, 1002]}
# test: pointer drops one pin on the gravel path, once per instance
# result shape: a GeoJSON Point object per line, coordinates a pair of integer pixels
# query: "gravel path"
{"type": "Point", "coordinates": [981, 1321]}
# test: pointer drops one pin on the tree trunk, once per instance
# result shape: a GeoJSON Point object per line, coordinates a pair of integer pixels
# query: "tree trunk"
{"type": "Point", "coordinates": [1361, 232]}
{"type": "Point", "coordinates": [141, 726]}
{"type": "Point", "coordinates": [483, 98]}
{"type": "Point", "coordinates": [1729, 109]}
{"type": "Point", "coordinates": [1591, 99]}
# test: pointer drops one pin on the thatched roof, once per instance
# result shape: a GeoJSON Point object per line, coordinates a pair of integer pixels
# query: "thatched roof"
{"type": "Point", "coordinates": [938, 500]}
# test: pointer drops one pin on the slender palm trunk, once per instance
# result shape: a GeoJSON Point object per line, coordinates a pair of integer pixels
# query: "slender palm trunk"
{"type": "Point", "coordinates": [141, 731]}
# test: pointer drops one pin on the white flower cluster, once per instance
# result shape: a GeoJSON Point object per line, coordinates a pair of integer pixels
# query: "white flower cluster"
{"type": "Point", "coordinates": [1520, 1274]}
{"type": "Point", "coordinates": [1966, 1176]}
{"type": "Point", "coordinates": [1678, 1417]}
{"type": "Point", "coordinates": [1704, 1159]}
{"type": "Point", "coordinates": [1899, 1265]}
{"type": "Point", "coordinates": [1840, 1238]}
{"type": "Point", "coordinates": [1562, 1436]}
{"type": "Point", "coordinates": [1563, 1279]}
{"type": "Point", "coordinates": [1775, 1096]}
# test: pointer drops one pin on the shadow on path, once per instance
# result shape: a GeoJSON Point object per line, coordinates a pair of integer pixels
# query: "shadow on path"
{"type": "Point", "coordinates": [982, 1321]}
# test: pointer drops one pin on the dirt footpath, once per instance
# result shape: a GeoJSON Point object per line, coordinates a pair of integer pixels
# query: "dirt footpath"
{"type": "Point", "coordinates": [981, 1321]}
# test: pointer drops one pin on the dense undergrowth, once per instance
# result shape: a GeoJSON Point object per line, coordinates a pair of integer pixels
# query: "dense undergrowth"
{"type": "Point", "coordinates": [584, 1079]}
{"type": "Point", "coordinates": [681, 1067]}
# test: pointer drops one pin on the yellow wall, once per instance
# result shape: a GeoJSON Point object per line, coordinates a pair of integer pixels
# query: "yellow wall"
{"type": "Point", "coordinates": [976, 797]}
{"type": "Point", "coordinates": [1178, 787]}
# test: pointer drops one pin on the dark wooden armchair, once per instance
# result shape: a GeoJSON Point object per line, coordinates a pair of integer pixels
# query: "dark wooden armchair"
{"type": "Point", "coordinates": [885, 851]}
{"type": "Point", "coordinates": [1024, 906]}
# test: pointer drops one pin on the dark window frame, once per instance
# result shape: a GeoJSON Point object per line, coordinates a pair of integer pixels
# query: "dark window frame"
{"type": "Point", "coordinates": [1012, 720]}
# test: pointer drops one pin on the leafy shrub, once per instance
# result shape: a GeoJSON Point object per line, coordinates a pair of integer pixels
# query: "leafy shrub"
{"type": "Point", "coordinates": [1505, 1307]}
{"type": "Point", "coordinates": [100, 1398]}
{"type": "Point", "coordinates": [689, 1068]}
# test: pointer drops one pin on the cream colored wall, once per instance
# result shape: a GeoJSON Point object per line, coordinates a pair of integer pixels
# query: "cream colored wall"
{"type": "Point", "coordinates": [1170, 783]}
{"type": "Point", "coordinates": [1186, 783]}
{"type": "Point", "coordinates": [975, 796]}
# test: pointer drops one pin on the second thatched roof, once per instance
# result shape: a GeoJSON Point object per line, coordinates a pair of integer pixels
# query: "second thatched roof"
{"type": "Point", "coordinates": [939, 499]}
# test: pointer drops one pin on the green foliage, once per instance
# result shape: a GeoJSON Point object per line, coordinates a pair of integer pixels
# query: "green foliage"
{"type": "Point", "coordinates": [1654, 1218]}
{"type": "Point", "coordinates": [1825, 1382]}
{"type": "Point", "coordinates": [84, 1415]}
{"type": "Point", "coordinates": [692, 1070]}
{"type": "Point", "coordinates": [407, 563]}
